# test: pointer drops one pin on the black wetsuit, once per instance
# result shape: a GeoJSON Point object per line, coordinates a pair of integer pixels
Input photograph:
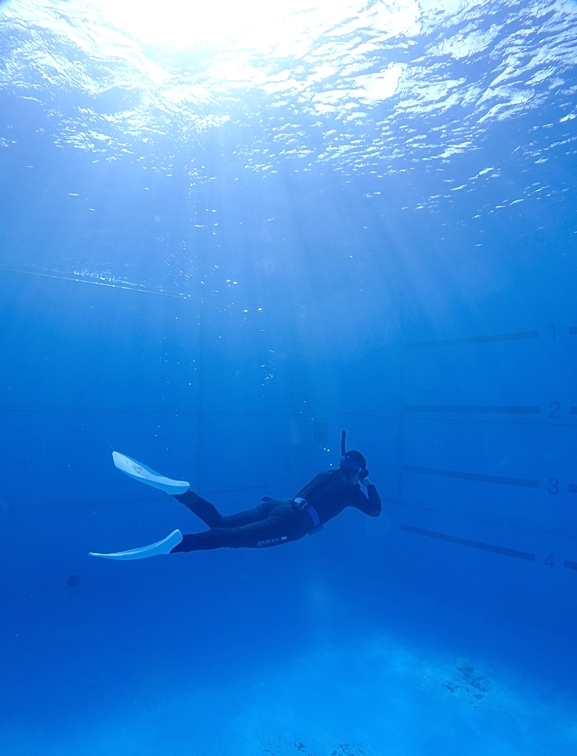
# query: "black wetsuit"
{"type": "Point", "coordinates": [280, 520]}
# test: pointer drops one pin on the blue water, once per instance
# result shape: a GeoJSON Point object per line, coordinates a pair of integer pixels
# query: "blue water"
{"type": "Point", "coordinates": [226, 234]}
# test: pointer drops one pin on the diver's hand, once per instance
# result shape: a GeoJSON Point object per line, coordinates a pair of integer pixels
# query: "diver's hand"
{"type": "Point", "coordinates": [365, 482]}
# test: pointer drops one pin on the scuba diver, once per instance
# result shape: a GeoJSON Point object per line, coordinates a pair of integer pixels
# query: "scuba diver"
{"type": "Point", "coordinates": [272, 523]}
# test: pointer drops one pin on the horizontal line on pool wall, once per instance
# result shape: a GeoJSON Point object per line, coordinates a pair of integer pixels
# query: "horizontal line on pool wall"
{"type": "Point", "coordinates": [474, 408]}
{"type": "Point", "coordinates": [527, 555]}
{"type": "Point", "coordinates": [517, 336]}
{"type": "Point", "coordinates": [477, 477]}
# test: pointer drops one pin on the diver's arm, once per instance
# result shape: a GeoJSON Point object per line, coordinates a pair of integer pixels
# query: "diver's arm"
{"type": "Point", "coordinates": [372, 507]}
{"type": "Point", "coordinates": [375, 506]}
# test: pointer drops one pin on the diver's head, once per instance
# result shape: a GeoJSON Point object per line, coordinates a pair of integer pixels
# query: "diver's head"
{"type": "Point", "coordinates": [353, 465]}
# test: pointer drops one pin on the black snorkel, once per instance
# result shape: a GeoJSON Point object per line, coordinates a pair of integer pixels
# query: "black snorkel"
{"type": "Point", "coordinates": [351, 463]}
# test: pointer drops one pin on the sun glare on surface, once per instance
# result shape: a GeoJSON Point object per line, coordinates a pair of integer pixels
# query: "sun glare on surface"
{"type": "Point", "coordinates": [180, 24]}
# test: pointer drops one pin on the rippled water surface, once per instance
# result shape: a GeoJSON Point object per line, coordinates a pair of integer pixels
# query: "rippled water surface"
{"type": "Point", "coordinates": [359, 86]}
{"type": "Point", "coordinates": [375, 89]}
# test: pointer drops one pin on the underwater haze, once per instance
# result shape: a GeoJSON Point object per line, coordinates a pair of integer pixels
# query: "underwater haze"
{"type": "Point", "coordinates": [228, 231]}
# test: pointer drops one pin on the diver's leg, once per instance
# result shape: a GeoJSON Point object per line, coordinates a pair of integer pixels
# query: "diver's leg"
{"type": "Point", "coordinates": [283, 524]}
{"type": "Point", "coordinates": [210, 515]}
{"type": "Point", "coordinates": [250, 516]}
{"type": "Point", "coordinates": [202, 508]}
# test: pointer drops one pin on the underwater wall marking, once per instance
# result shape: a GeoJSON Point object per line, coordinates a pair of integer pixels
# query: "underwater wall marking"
{"type": "Point", "coordinates": [474, 409]}
{"type": "Point", "coordinates": [511, 415]}
{"type": "Point", "coordinates": [468, 542]}
{"type": "Point", "coordinates": [519, 335]}
{"type": "Point", "coordinates": [425, 410]}
{"type": "Point", "coordinates": [528, 556]}
{"type": "Point", "coordinates": [499, 479]}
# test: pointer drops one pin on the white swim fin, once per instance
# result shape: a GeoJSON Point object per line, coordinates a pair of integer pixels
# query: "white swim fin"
{"type": "Point", "coordinates": [144, 474]}
{"type": "Point", "coordinates": [155, 549]}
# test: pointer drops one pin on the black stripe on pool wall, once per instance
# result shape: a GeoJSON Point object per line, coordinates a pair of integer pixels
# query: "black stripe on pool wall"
{"type": "Point", "coordinates": [518, 336]}
{"type": "Point", "coordinates": [570, 565]}
{"type": "Point", "coordinates": [472, 544]}
{"type": "Point", "coordinates": [522, 482]}
{"type": "Point", "coordinates": [473, 408]}
{"type": "Point", "coordinates": [572, 488]}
